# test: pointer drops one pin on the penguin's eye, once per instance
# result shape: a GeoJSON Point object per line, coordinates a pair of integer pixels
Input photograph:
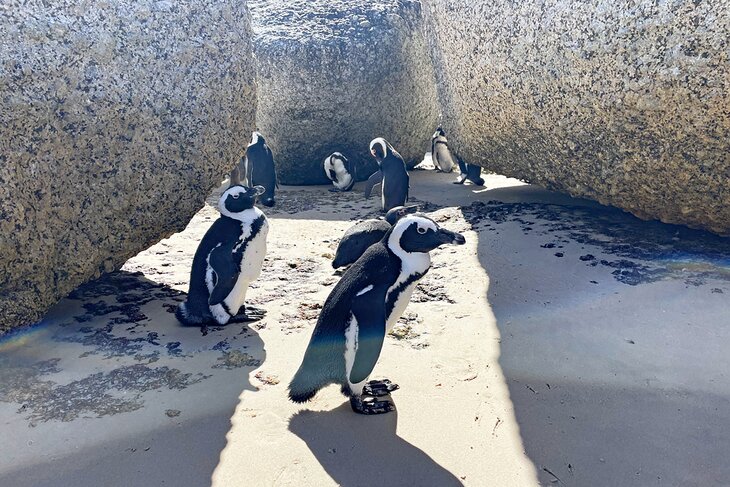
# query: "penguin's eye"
{"type": "Point", "coordinates": [235, 196]}
{"type": "Point", "coordinates": [421, 230]}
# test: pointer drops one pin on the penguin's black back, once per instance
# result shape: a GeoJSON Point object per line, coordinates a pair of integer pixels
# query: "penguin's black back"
{"type": "Point", "coordinates": [261, 169]}
{"type": "Point", "coordinates": [357, 239]}
{"type": "Point", "coordinates": [224, 230]}
{"type": "Point", "coordinates": [324, 361]}
{"type": "Point", "coordinates": [396, 179]}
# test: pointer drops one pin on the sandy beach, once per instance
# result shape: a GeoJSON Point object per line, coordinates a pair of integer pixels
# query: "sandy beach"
{"type": "Point", "coordinates": [566, 343]}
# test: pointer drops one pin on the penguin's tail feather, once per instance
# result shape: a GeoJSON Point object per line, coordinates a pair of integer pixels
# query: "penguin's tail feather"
{"type": "Point", "coordinates": [302, 388]}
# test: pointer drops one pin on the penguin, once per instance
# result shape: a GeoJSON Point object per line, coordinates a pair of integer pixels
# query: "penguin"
{"type": "Point", "coordinates": [472, 172]}
{"type": "Point", "coordinates": [340, 171]}
{"type": "Point", "coordinates": [394, 184]}
{"type": "Point", "coordinates": [361, 309]}
{"type": "Point", "coordinates": [258, 168]}
{"type": "Point", "coordinates": [360, 236]}
{"type": "Point", "coordinates": [228, 258]}
{"type": "Point", "coordinates": [440, 154]}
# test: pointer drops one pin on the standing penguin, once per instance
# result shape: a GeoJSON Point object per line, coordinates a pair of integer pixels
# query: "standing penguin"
{"type": "Point", "coordinates": [228, 258]}
{"type": "Point", "coordinates": [394, 185]}
{"type": "Point", "coordinates": [361, 309]}
{"type": "Point", "coordinates": [472, 172]}
{"type": "Point", "coordinates": [440, 154]}
{"type": "Point", "coordinates": [360, 236]}
{"type": "Point", "coordinates": [258, 168]}
{"type": "Point", "coordinates": [340, 171]}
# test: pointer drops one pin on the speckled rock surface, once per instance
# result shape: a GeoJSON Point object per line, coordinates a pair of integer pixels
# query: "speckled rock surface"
{"type": "Point", "coordinates": [627, 103]}
{"type": "Point", "coordinates": [117, 120]}
{"type": "Point", "coordinates": [333, 75]}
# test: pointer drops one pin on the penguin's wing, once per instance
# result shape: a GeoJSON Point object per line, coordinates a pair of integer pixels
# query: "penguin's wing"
{"type": "Point", "coordinates": [368, 308]}
{"type": "Point", "coordinates": [374, 179]}
{"type": "Point", "coordinates": [226, 273]}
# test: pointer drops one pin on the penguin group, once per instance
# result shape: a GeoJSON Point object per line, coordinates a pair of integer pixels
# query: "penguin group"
{"type": "Point", "coordinates": [383, 260]}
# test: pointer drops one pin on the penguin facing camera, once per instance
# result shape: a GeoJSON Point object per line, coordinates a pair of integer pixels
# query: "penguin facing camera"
{"type": "Point", "coordinates": [257, 167]}
{"type": "Point", "coordinates": [470, 172]}
{"type": "Point", "coordinates": [228, 258]}
{"type": "Point", "coordinates": [360, 236]}
{"type": "Point", "coordinates": [340, 171]}
{"type": "Point", "coordinates": [440, 154]}
{"type": "Point", "coordinates": [361, 309]}
{"type": "Point", "coordinates": [395, 181]}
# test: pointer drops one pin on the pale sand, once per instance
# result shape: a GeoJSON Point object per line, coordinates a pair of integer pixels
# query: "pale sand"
{"type": "Point", "coordinates": [516, 366]}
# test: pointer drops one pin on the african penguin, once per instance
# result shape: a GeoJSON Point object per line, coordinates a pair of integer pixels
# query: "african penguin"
{"type": "Point", "coordinates": [440, 154]}
{"type": "Point", "coordinates": [228, 258]}
{"type": "Point", "coordinates": [395, 176]}
{"type": "Point", "coordinates": [361, 309]}
{"type": "Point", "coordinates": [340, 171]}
{"type": "Point", "coordinates": [258, 168]}
{"type": "Point", "coordinates": [472, 172]}
{"type": "Point", "coordinates": [362, 235]}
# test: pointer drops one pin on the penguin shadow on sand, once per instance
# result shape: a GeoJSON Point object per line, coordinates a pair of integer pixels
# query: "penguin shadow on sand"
{"type": "Point", "coordinates": [362, 450]}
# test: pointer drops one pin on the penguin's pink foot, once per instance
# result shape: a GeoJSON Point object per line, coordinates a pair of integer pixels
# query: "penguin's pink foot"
{"type": "Point", "coordinates": [370, 405]}
{"type": "Point", "coordinates": [379, 388]}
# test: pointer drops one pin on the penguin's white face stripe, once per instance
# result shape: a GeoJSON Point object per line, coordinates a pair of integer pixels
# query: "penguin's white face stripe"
{"type": "Point", "coordinates": [254, 138]}
{"type": "Point", "coordinates": [381, 142]}
{"type": "Point", "coordinates": [365, 290]}
{"type": "Point", "coordinates": [435, 134]}
{"type": "Point", "coordinates": [411, 262]}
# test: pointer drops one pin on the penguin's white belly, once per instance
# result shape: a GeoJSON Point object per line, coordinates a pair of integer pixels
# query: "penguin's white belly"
{"type": "Point", "coordinates": [251, 264]}
{"type": "Point", "coordinates": [351, 344]}
{"type": "Point", "coordinates": [382, 194]}
{"type": "Point", "coordinates": [343, 180]}
{"type": "Point", "coordinates": [401, 303]}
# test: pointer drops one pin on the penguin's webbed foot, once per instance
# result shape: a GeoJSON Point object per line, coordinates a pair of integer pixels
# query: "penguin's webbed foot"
{"type": "Point", "coordinates": [370, 405]}
{"type": "Point", "coordinates": [460, 179]}
{"type": "Point", "coordinates": [379, 388]}
{"type": "Point", "coordinates": [247, 314]}
{"type": "Point", "coordinates": [334, 190]}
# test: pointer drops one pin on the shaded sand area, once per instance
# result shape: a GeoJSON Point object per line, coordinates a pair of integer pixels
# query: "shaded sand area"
{"type": "Point", "coordinates": [565, 344]}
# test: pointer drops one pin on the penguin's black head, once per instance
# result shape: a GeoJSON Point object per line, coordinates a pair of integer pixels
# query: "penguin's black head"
{"type": "Point", "coordinates": [418, 233]}
{"type": "Point", "coordinates": [379, 148]}
{"type": "Point", "coordinates": [399, 212]}
{"type": "Point", "coordinates": [439, 133]}
{"type": "Point", "coordinates": [257, 138]}
{"type": "Point", "coordinates": [238, 198]}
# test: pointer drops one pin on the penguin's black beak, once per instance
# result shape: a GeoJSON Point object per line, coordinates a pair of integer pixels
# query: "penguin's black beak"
{"type": "Point", "coordinates": [449, 237]}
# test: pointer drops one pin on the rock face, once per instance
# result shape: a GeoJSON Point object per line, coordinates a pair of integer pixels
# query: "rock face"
{"type": "Point", "coordinates": [333, 75]}
{"type": "Point", "coordinates": [627, 104]}
{"type": "Point", "coordinates": [117, 120]}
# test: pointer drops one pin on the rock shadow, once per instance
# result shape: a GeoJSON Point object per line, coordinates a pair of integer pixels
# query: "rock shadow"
{"type": "Point", "coordinates": [358, 450]}
{"type": "Point", "coordinates": [613, 332]}
{"type": "Point", "coordinates": [112, 369]}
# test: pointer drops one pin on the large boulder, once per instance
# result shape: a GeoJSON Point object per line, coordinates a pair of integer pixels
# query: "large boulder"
{"type": "Point", "coordinates": [118, 118]}
{"type": "Point", "coordinates": [334, 74]}
{"type": "Point", "coordinates": [624, 103]}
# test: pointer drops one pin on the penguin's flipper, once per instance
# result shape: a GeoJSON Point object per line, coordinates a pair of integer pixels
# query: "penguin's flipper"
{"type": "Point", "coordinates": [368, 308]}
{"type": "Point", "coordinates": [375, 178]}
{"type": "Point", "coordinates": [226, 272]}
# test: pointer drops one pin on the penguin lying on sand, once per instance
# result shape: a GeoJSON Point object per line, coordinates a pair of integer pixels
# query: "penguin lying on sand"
{"type": "Point", "coordinates": [363, 306]}
{"type": "Point", "coordinates": [340, 171]}
{"type": "Point", "coordinates": [440, 154]}
{"type": "Point", "coordinates": [258, 168]}
{"type": "Point", "coordinates": [228, 258]}
{"type": "Point", "coordinates": [360, 236]}
{"type": "Point", "coordinates": [395, 179]}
